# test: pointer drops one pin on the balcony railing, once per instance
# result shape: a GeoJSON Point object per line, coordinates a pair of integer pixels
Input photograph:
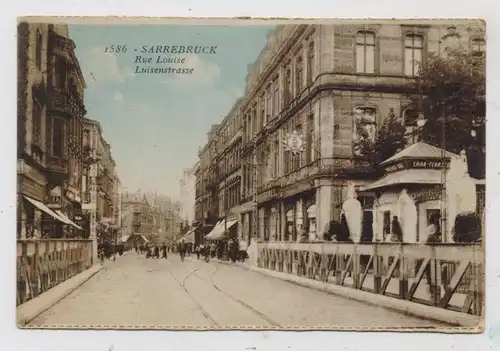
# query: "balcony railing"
{"type": "Point", "coordinates": [448, 276]}
{"type": "Point", "coordinates": [59, 165]}
{"type": "Point", "coordinates": [43, 264]}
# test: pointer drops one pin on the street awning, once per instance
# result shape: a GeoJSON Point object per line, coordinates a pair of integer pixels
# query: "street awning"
{"type": "Point", "coordinates": [44, 208]}
{"type": "Point", "coordinates": [66, 220]}
{"type": "Point", "coordinates": [125, 238]}
{"type": "Point", "coordinates": [218, 232]}
{"type": "Point", "coordinates": [407, 176]}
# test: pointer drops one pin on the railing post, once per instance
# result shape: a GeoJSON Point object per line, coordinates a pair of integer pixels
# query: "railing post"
{"type": "Point", "coordinates": [434, 287]}
{"type": "Point", "coordinates": [35, 283]}
{"type": "Point", "coordinates": [403, 274]}
{"type": "Point", "coordinates": [377, 271]}
{"type": "Point", "coordinates": [355, 267]}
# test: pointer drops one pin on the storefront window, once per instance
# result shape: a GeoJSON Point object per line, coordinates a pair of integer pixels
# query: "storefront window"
{"type": "Point", "coordinates": [387, 224]}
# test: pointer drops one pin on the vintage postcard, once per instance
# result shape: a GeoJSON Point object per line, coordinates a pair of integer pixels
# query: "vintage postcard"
{"type": "Point", "coordinates": [251, 174]}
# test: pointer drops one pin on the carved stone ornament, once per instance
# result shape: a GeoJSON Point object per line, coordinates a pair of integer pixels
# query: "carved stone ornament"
{"type": "Point", "coordinates": [294, 142]}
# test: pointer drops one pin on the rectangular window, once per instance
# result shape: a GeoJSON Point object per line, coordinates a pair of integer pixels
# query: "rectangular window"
{"type": "Point", "coordinates": [269, 106]}
{"type": "Point", "coordinates": [365, 125]}
{"type": "Point", "coordinates": [413, 54]}
{"type": "Point", "coordinates": [310, 63]}
{"type": "Point", "coordinates": [298, 75]}
{"type": "Point", "coordinates": [288, 86]}
{"type": "Point", "coordinates": [58, 137]}
{"type": "Point", "coordinates": [38, 50]}
{"type": "Point", "coordinates": [276, 159]}
{"type": "Point", "coordinates": [37, 123]}
{"type": "Point", "coordinates": [60, 72]}
{"type": "Point", "coordinates": [478, 47]}
{"type": "Point", "coordinates": [387, 224]}
{"type": "Point", "coordinates": [365, 52]}
{"type": "Point", "coordinates": [276, 96]}
{"type": "Point", "coordinates": [410, 120]}
{"type": "Point", "coordinates": [310, 139]}
{"type": "Point", "coordinates": [262, 112]}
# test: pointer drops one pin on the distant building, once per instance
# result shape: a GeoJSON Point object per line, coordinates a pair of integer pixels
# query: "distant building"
{"type": "Point", "coordinates": [188, 196]}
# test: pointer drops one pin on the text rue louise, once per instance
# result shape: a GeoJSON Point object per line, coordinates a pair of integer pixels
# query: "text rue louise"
{"type": "Point", "coordinates": [160, 59]}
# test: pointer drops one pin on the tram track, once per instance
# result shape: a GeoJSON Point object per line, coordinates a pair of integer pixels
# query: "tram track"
{"type": "Point", "coordinates": [210, 282]}
{"type": "Point", "coordinates": [240, 302]}
{"type": "Point", "coordinates": [182, 284]}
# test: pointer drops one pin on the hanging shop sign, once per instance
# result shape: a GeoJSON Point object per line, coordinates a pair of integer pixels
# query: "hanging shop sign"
{"type": "Point", "coordinates": [428, 194]}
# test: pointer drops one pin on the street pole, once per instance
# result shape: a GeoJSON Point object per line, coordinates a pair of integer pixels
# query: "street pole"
{"type": "Point", "coordinates": [444, 214]}
{"type": "Point", "coordinates": [93, 208]}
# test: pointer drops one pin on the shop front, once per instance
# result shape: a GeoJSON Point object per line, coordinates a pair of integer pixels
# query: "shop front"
{"type": "Point", "coordinates": [423, 185]}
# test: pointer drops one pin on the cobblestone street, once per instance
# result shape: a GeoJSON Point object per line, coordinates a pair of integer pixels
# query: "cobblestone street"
{"type": "Point", "coordinates": [157, 292]}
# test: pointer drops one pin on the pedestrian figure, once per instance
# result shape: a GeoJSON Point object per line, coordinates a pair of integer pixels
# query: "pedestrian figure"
{"type": "Point", "coordinates": [157, 252]}
{"type": "Point", "coordinates": [199, 250]}
{"type": "Point", "coordinates": [233, 250]}
{"type": "Point", "coordinates": [164, 251]}
{"type": "Point", "coordinates": [213, 249]}
{"type": "Point", "coordinates": [243, 250]}
{"type": "Point", "coordinates": [397, 232]}
{"type": "Point", "coordinates": [182, 249]}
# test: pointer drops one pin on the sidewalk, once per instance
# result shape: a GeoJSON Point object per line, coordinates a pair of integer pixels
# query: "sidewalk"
{"type": "Point", "coordinates": [35, 307]}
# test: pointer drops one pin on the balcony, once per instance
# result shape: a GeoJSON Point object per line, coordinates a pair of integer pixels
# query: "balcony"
{"type": "Point", "coordinates": [58, 165]}
{"type": "Point", "coordinates": [60, 102]}
{"type": "Point", "coordinates": [90, 156]}
{"type": "Point", "coordinates": [64, 103]}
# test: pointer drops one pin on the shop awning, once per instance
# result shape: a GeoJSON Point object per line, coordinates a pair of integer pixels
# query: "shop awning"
{"type": "Point", "coordinates": [407, 176]}
{"type": "Point", "coordinates": [125, 238]}
{"type": "Point", "coordinates": [218, 232]}
{"type": "Point", "coordinates": [141, 236]}
{"type": "Point", "coordinates": [44, 208]}
{"type": "Point", "coordinates": [66, 220]}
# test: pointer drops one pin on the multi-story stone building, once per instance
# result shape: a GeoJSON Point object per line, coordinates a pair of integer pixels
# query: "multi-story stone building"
{"type": "Point", "coordinates": [100, 181]}
{"type": "Point", "coordinates": [50, 130]}
{"type": "Point", "coordinates": [136, 218]}
{"type": "Point", "coordinates": [117, 201]}
{"type": "Point", "coordinates": [206, 202]}
{"type": "Point", "coordinates": [147, 217]}
{"type": "Point", "coordinates": [305, 94]}
{"type": "Point", "coordinates": [188, 196]}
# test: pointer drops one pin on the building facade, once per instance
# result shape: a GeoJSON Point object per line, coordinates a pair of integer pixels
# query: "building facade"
{"type": "Point", "coordinates": [101, 183]}
{"type": "Point", "coordinates": [188, 196]}
{"type": "Point", "coordinates": [50, 131]}
{"type": "Point", "coordinates": [298, 121]}
{"type": "Point", "coordinates": [147, 218]}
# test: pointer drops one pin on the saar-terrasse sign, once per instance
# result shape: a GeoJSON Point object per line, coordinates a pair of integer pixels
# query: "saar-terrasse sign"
{"type": "Point", "coordinates": [416, 164]}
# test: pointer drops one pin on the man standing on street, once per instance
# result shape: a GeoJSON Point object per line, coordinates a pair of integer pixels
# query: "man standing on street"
{"type": "Point", "coordinates": [182, 249]}
{"type": "Point", "coordinates": [243, 250]}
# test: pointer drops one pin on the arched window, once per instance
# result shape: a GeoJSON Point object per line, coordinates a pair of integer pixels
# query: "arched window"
{"type": "Point", "coordinates": [365, 52]}
{"type": "Point", "coordinates": [414, 45]}
{"type": "Point", "coordinates": [478, 47]}
{"type": "Point", "coordinates": [365, 125]}
{"type": "Point", "coordinates": [410, 120]}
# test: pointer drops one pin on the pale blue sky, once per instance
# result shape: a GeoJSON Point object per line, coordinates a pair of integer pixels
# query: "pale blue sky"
{"type": "Point", "coordinates": [155, 123]}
